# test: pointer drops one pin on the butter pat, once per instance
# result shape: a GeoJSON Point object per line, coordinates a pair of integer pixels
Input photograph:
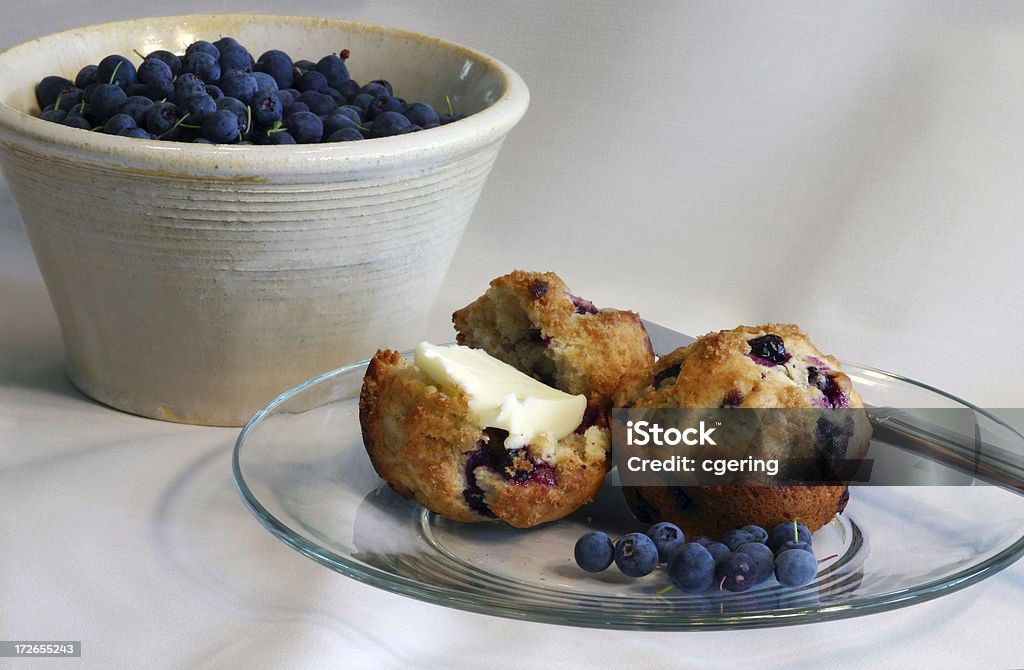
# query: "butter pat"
{"type": "Point", "coordinates": [501, 396]}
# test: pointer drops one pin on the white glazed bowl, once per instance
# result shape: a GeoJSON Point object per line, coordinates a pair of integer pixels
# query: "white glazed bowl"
{"type": "Point", "coordinates": [193, 282]}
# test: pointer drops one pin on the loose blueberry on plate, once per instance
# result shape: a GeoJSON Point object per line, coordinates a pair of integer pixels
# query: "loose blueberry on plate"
{"type": "Point", "coordinates": [594, 551]}
{"type": "Point", "coordinates": [764, 560]}
{"type": "Point", "coordinates": [636, 555]}
{"type": "Point", "coordinates": [692, 568]}
{"type": "Point", "coordinates": [735, 572]}
{"type": "Point", "coordinates": [795, 567]}
{"type": "Point", "coordinates": [667, 537]}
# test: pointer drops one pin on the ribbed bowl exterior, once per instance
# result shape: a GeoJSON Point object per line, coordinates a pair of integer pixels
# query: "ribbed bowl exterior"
{"type": "Point", "coordinates": [194, 284]}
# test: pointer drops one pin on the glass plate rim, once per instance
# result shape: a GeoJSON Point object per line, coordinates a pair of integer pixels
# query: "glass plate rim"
{"type": "Point", "coordinates": [453, 598]}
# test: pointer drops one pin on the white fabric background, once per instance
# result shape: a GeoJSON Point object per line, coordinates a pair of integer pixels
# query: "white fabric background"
{"type": "Point", "coordinates": [856, 168]}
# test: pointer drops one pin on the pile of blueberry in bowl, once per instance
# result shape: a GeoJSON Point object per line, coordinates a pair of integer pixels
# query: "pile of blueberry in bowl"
{"type": "Point", "coordinates": [217, 92]}
{"type": "Point", "coordinates": [208, 235]}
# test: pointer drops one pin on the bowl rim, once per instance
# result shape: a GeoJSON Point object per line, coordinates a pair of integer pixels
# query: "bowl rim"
{"type": "Point", "coordinates": [163, 158]}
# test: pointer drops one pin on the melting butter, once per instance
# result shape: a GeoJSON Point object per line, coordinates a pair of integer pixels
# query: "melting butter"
{"type": "Point", "coordinates": [501, 396]}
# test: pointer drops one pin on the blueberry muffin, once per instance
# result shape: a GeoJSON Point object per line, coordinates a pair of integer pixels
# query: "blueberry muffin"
{"type": "Point", "coordinates": [769, 366]}
{"type": "Point", "coordinates": [533, 322]}
{"type": "Point", "coordinates": [425, 443]}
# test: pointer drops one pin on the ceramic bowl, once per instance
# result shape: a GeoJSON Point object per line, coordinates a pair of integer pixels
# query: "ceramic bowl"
{"type": "Point", "coordinates": [194, 282]}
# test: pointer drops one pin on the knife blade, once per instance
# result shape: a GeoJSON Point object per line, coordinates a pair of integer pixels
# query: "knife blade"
{"type": "Point", "coordinates": [966, 454]}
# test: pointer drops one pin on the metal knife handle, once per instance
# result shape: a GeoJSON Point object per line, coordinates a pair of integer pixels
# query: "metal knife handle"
{"type": "Point", "coordinates": [967, 454]}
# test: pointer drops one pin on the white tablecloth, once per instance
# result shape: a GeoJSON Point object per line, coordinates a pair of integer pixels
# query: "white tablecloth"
{"type": "Point", "coordinates": [854, 169]}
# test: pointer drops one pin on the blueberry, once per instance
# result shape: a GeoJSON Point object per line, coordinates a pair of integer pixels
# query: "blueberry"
{"type": "Point", "coordinates": [172, 60]}
{"type": "Point", "coordinates": [312, 81]}
{"type": "Point", "coordinates": [735, 572]}
{"type": "Point", "coordinates": [336, 96]}
{"type": "Point", "coordinates": [361, 101]}
{"type": "Point", "coordinates": [304, 65]}
{"type": "Point", "coordinates": [692, 568]}
{"type": "Point", "coordinates": [733, 398]}
{"type": "Point", "coordinates": [594, 551]}
{"type": "Point", "coordinates": [277, 137]}
{"type": "Point", "coordinates": [115, 69]}
{"type": "Point", "coordinates": [54, 115]}
{"type": "Point", "coordinates": [76, 122]}
{"type": "Point", "coordinates": [373, 89]}
{"type": "Point", "coordinates": [345, 135]}
{"type": "Point", "coordinates": [221, 126]}
{"type": "Point", "coordinates": [351, 111]}
{"type": "Point", "coordinates": [106, 99]}
{"type": "Point", "coordinates": [421, 114]}
{"type": "Point", "coordinates": [769, 348]}
{"type": "Point", "coordinates": [383, 85]}
{"type": "Point", "coordinates": [826, 383]}
{"type": "Point", "coordinates": [235, 57]}
{"type": "Point", "coordinates": [318, 103]}
{"type": "Point", "coordinates": [795, 567]}
{"type": "Point", "coordinates": [197, 106]}
{"type": "Point", "coordinates": [137, 107]}
{"type": "Point", "coordinates": [213, 91]}
{"type": "Point", "coordinates": [138, 88]}
{"type": "Point", "coordinates": [636, 555]}
{"type": "Point", "coordinates": [87, 75]}
{"type": "Point", "coordinates": [286, 97]}
{"type": "Point", "coordinates": [158, 90]}
{"type": "Point", "coordinates": [716, 549]}
{"type": "Point", "coordinates": [118, 123]}
{"type": "Point", "coordinates": [264, 81]}
{"type": "Point", "coordinates": [390, 123]}
{"type": "Point", "coordinates": [337, 122]}
{"type": "Point", "coordinates": [240, 110]}
{"type": "Point", "coordinates": [162, 120]}
{"type": "Point", "coordinates": [667, 537]}
{"type": "Point", "coordinates": [203, 65]}
{"type": "Point", "coordinates": [349, 89]}
{"type": "Point", "coordinates": [154, 69]}
{"type": "Point", "coordinates": [759, 534]}
{"type": "Point", "coordinates": [305, 127]}
{"type": "Point", "coordinates": [223, 42]}
{"type": "Point", "coordinates": [292, 108]}
{"type": "Point", "coordinates": [186, 85]}
{"type": "Point", "coordinates": [384, 103]}
{"type": "Point", "coordinates": [49, 88]}
{"type": "Point", "coordinates": [735, 538]}
{"type": "Point", "coordinates": [202, 46]}
{"type": "Point", "coordinates": [788, 530]}
{"type": "Point", "coordinates": [333, 69]}
{"type": "Point", "coordinates": [278, 65]}
{"type": "Point", "coordinates": [138, 133]}
{"type": "Point", "coordinates": [764, 560]}
{"type": "Point", "coordinates": [266, 108]}
{"type": "Point", "coordinates": [237, 84]}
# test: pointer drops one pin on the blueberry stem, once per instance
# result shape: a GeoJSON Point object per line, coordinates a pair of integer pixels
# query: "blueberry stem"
{"type": "Point", "coordinates": [114, 73]}
{"type": "Point", "coordinates": [176, 124]}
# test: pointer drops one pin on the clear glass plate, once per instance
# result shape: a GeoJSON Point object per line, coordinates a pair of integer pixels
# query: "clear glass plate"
{"type": "Point", "coordinates": [301, 467]}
